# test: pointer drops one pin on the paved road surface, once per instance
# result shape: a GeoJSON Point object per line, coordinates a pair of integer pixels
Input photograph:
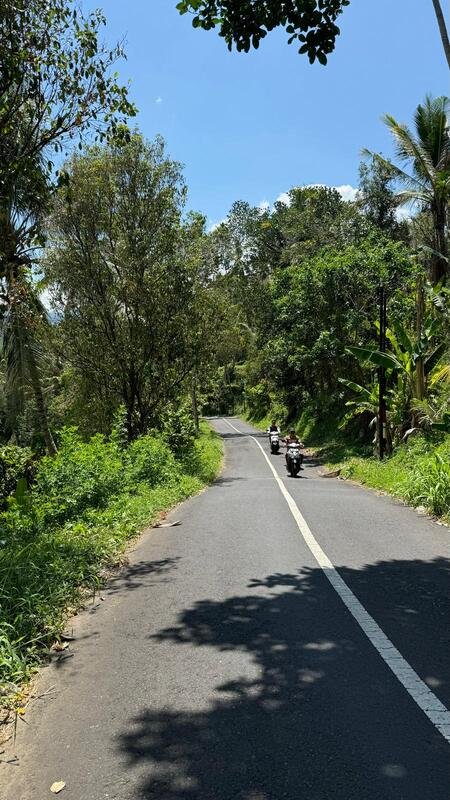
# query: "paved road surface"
{"type": "Point", "coordinates": [223, 665]}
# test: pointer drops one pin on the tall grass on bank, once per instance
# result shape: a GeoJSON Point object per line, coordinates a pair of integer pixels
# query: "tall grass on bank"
{"type": "Point", "coordinates": [418, 472]}
{"type": "Point", "coordinates": [85, 505]}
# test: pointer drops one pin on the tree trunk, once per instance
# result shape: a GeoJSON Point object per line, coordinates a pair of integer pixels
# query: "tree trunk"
{"type": "Point", "coordinates": [420, 369]}
{"type": "Point", "coordinates": [40, 403]}
{"type": "Point", "coordinates": [439, 266]}
{"type": "Point", "coordinates": [442, 29]}
{"type": "Point", "coordinates": [194, 402]}
{"type": "Point", "coordinates": [389, 445]}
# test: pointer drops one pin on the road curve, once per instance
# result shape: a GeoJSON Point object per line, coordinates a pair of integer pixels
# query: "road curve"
{"type": "Point", "coordinates": [223, 665]}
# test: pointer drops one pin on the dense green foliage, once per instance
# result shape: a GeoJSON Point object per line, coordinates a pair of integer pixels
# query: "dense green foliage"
{"type": "Point", "coordinates": [303, 280]}
{"type": "Point", "coordinates": [86, 503]}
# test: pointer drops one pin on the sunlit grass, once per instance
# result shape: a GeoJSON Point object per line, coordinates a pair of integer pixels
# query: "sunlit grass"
{"type": "Point", "coordinates": [44, 564]}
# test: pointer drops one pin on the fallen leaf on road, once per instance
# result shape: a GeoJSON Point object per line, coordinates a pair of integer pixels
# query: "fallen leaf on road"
{"type": "Point", "coordinates": [58, 646]}
{"type": "Point", "coordinates": [56, 787]}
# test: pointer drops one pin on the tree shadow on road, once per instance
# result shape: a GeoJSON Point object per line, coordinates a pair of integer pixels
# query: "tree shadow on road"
{"type": "Point", "coordinates": [325, 718]}
{"type": "Point", "coordinates": [140, 574]}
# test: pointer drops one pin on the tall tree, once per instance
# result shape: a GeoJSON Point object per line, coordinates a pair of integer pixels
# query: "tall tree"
{"type": "Point", "coordinates": [22, 323]}
{"type": "Point", "coordinates": [120, 267]}
{"type": "Point", "coordinates": [56, 84]}
{"type": "Point", "coordinates": [22, 316]}
{"type": "Point", "coordinates": [376, 197]}
{"type": "Point", "coordinates": [427, 183]}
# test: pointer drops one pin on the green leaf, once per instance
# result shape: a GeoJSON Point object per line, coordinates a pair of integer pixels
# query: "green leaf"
{"type": "Point", "coordinates": [20, 495]}
{"type": "Point", "coordinates": [369, 356]}
{"type": "Point", "coordinates": [434, 357]}
{"type": "Point", "coordinates": [355, 387]}
{"type": "Point", "coordinates": [403, 337]}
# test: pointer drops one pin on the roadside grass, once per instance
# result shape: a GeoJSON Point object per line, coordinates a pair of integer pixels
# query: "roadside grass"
{"type": "Point", "coordinates": [59, 541]}
{"type": "Point", "coordinates": [418, 472]}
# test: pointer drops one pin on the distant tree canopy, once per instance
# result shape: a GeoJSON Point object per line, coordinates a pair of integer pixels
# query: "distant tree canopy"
{"type": "Point", "coordinates": [311, 22]}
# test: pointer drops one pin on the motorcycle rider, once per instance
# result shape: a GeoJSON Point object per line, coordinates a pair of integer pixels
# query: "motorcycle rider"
{"type": "Point", "coordinates": [273, 428]}
{"type": "Point", "coordinates": [292, 438]}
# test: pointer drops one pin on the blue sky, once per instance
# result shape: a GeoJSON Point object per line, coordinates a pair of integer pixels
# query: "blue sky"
{"type": "Point", "coordinates": [250, 126]}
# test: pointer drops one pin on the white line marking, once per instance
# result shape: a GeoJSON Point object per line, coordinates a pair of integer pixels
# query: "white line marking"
{"type": "Point", "coordinates": [436, 712]}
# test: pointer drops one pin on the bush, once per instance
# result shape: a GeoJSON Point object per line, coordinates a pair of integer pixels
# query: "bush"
{"type": "Point", "coordinates": [15, 463]}
{"type": "Point", "coordinates": [151, 460]}
{"type": "Point", "coordinates": [179, 429]}
{"type": "Point", "coordinates": [81, 475]}
{"type": "Point", "coordinates": [257, 400]}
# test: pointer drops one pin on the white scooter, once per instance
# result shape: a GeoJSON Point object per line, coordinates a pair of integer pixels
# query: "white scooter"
{"type": "Point", "coordinates": [294, 458]}
{"type": "Point", "coordinates": [274, 439]}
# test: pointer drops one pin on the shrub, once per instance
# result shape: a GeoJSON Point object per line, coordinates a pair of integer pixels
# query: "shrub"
{"type": "Point", "coordinates": [179, 429]}
{"type": "Point", "coordinates": [81, 475]}
{"type": "Point", "coordinates": [151, 460]}
{"type": "Point", "coordinates": [15, 463]}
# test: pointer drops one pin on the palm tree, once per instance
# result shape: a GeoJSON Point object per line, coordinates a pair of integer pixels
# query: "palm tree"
{"type": "Point", "coordinates": [427, 183]}
{"type": "Point", "coordinates": [22, 314]}
{"type": "Point", "coordinates": [22, 204]}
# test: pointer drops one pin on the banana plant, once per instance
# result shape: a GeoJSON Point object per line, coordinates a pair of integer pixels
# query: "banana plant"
{"type": "Point", "coordinates": [367, 400]}
{"type": "Point", "coordinates": [402, 361]}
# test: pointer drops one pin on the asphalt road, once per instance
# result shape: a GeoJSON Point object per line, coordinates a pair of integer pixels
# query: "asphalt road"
{"type": "Point", "coordinates": [223, 665]}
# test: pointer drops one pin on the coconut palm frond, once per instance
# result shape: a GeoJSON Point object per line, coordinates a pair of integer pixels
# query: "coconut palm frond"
{"type": "Point", "coordinates": [431, 122]}
{"type": "Point", "coordinates": [413, 196]}
{"type": "Point", "coordinates": [409, 150]}
{"type": "Point", "coordinates": [407, 180]}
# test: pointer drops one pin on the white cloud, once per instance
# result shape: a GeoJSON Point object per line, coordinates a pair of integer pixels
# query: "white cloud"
{"type": "Point", "coordinates": [214, 225]}
{"type": "Point", "coordinates": [158, 100]}
{"type": "Point", "coordinates": [284, 198]}
{"type": "Point", "coordinates": [264, 205]}
{"type": "Point", "coordinates": [347, 192]}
